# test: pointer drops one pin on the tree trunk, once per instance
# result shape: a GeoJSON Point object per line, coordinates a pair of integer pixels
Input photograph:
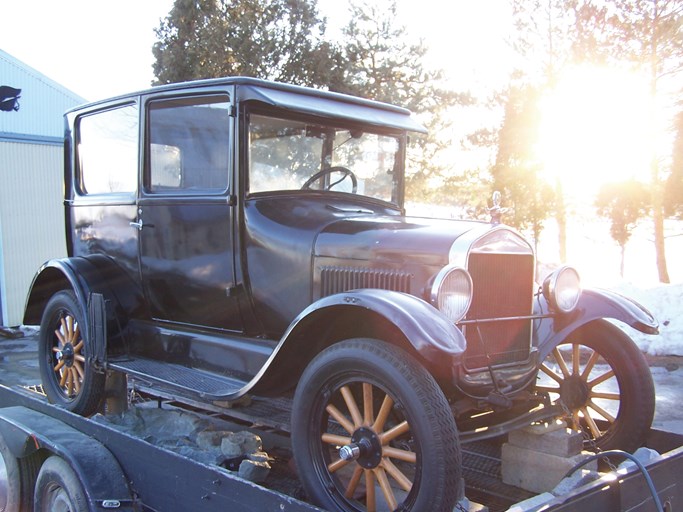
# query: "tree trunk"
{"type": "Point", "coordinates": [561, 218]}
{"type": "Point", "coordinates": [657, 185]}
{"type": "Point", "coordinates": [660, 248]}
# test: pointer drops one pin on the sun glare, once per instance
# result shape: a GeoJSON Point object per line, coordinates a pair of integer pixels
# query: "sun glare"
{"type": "Point", "coordinates": [595, 128]}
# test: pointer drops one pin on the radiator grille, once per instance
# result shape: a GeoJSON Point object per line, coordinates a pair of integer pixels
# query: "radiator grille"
{"type": "Point", "coordinates": [503, 287]}
{"type": "Point", "coordinates": [342, 279]}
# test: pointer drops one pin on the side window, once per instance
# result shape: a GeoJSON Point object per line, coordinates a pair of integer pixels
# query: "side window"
{"type": "Point", "coordinates": [188, 145]}
{"type": "Point", "coordinates": [108, 151]}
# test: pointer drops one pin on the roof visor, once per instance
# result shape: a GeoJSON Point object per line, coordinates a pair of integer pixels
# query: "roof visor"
{"type": "Point", "coordinates": [327, 104]}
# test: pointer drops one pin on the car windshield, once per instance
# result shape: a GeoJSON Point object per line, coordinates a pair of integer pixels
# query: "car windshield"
{"type": "Point", "coordinates": [286, 155]}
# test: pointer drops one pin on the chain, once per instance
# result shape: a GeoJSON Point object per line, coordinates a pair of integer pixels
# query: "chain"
{"type": "Point", "coordinates": [459, 507]}
{"type": "Point", "coordinates": [590, 440]}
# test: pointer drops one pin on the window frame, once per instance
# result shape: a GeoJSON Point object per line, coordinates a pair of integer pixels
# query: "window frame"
{"type": "Point", "coordinates": [194, 98]}
{"type": "Point", "coordinates": [254, 108]}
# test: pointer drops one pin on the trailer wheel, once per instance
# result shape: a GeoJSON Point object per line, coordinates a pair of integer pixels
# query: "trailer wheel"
{"type": "Point", "coordinates": [17, 478]}
{"type": "Point", "coordinates": [68, 379]}
{"type": "Point", "coordinates": [604, 382]}
{"type": "Point", "coordinates": [371, 426]}
{"type": "Point", "coordinates": [58, 488]}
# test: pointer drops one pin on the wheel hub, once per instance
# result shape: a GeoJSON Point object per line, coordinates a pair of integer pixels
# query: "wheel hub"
{"type": "Point", "coordinates": [66, 354]}
{"type": "Point", "coordinates": [365, 449]}
{"type": "Point", "coordinates": [574, 392]}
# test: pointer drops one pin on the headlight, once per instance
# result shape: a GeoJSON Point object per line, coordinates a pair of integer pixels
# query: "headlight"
{"type": "Point", "coordinates": [562, 289]}
{"type": "Point", "coordinates": [452, 292]}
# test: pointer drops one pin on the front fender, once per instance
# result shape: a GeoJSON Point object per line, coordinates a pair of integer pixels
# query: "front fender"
{"type": "Point", "coordinates": [593, 304]}
{"type": "Point", "coordinates": [427, 330]}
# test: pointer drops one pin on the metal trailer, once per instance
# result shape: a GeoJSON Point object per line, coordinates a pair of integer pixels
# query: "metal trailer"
{"type": "Point", "coordinates": [116, 470]}
{"type": "Point", "coordinates": [119, 471]}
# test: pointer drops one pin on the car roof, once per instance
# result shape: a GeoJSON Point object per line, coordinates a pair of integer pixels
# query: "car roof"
{"type": "Point", "coordinates": [296, 98]}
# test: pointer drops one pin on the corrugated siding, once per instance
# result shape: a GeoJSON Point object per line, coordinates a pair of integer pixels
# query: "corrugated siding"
{"type": "Point", "coordinates": [32, 213]}
{"type": "Point", "coordinates": [42, 103]}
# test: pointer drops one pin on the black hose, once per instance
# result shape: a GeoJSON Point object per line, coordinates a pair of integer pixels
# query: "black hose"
{"type": "Point", "coordinates": [627, 455]}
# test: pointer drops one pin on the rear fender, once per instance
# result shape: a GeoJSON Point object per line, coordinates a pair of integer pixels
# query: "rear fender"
{"type": "Point", "coordinates": [106, 296]}
{"type": "Point", "coordinates": [594, 304]}
{"type": "Point", "coordinates": [362, 313]}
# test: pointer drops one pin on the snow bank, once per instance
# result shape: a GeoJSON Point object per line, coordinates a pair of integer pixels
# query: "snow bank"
{"type": "Point", "coordinates": [664, 302]}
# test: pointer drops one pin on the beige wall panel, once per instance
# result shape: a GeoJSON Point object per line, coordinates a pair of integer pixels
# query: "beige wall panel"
{"type": "Point", "coordinates": [32, 212]}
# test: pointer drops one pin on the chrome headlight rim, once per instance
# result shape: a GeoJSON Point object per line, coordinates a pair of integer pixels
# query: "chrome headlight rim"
{"type": "Point", "coordinates": [559, 285]}
{"type": "Point", "coordinates": [438, 291]}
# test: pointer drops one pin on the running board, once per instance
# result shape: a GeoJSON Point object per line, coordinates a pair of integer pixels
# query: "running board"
{"type": "Point", "coordinates": [189, 382]}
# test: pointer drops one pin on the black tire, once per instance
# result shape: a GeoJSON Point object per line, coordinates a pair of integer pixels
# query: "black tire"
{"type": "Point", "coordinates": [604, 382]}
{"type": "Point", "coordinates": [17, 479]}
{"type": "Point", "coordinates": [419, 468]}
{"type": "Point", "coordinates": [58, 488]}
{"type": "Point", "coordinates": [68, 380]}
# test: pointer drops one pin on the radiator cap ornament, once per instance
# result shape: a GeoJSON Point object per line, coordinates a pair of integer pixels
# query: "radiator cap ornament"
{"type": "Point", "coordinates": [496, 211]}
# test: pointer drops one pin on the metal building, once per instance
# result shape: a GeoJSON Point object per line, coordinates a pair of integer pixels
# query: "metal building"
{"type": "Point", "coordinates": [31, 157]}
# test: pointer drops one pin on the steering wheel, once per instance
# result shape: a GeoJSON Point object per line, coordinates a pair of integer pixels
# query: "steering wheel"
{"type": "Point", "coordinates": [343, 170]}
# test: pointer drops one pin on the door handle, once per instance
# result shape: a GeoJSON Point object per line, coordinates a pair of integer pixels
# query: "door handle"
{"type": "Point", "coordinates": [139, 225]}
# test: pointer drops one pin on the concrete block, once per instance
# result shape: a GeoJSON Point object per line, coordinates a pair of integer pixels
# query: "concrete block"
{"type": "Point", "coordinates": [553, 439]}
{"type": "Point", "coordinates": [580, 478]}
{"type": "Point", "coordinates": [643, 455]}
{"type": "Point", "coordinates": [536, 471]}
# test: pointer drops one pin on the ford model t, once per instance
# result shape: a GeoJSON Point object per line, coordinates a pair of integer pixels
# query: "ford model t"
{"type": "Point", "coordinates": [235, 236]}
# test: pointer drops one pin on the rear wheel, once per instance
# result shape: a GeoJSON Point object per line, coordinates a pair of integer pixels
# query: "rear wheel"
{"type": "Point", "coordinates": [372, 430]}
{"type": "Point", "coordinates": [17, 478]}
{"type": "Point", "coordinates": [58, 488]}
{"type": "Point", "coordinates": [68, 379]}
{"type": "Point", "coordinates": [604, 382]}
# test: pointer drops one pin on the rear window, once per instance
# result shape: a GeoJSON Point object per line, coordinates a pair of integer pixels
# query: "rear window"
{"type": "Point", "coordinates": [108, 151]}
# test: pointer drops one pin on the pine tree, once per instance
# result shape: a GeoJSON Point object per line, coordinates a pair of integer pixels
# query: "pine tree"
{"type": "Point", "coordinates": [281, 40]}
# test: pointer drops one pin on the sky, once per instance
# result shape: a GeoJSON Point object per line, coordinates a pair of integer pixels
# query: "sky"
{"type": "Point", "coordinates": [100, 49]}
{"type": "Point", "coordinates": [93, 48]}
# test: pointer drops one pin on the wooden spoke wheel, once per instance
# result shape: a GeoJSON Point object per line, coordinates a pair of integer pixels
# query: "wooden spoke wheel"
{"type": "Point", "coordinates": [603, 382]}
{"type": "Point", "coordinates": [374, 449]}
{"type": "Point", "coordinates": [371, 430]}
{"type": "Point", "coordinates": [68, 357]}
{"type": "Point", "coordinates": [67, 378]}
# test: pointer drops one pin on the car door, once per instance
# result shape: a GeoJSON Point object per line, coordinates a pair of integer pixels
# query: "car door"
{"type": "Point", "coordinates": [185, 215]}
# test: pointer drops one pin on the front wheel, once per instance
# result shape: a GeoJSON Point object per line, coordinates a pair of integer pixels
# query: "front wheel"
{"type": "Point", "coordinates": [604, 383]}
{"type": "Point", "coordinates": [68, 379]}
{"type": "Point", "coordinates": [372, 430]}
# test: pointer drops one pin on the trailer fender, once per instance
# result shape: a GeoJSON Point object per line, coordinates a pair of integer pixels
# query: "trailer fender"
{"type": "Point", "coordinates": [436, 341]}
{"type": "Point", "coordinates": [593, 304]}
{"type": "Point", "coordinates": [28, 432]}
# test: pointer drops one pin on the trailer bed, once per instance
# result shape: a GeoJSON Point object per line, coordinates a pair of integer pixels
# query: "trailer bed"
{"type": "Point", "coordinates": [167, 479]}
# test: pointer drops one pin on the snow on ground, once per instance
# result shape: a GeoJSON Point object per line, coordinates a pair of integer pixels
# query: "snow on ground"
{"type": "Point", "coordinates": [664, 302]}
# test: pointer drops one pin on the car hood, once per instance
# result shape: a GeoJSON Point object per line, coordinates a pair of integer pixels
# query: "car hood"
{"type": "Point", "coordinates": [395, 239]}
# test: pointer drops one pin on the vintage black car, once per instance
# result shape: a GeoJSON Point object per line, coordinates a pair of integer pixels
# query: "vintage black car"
{"type": "Point", "coordinates": [235, 236]}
